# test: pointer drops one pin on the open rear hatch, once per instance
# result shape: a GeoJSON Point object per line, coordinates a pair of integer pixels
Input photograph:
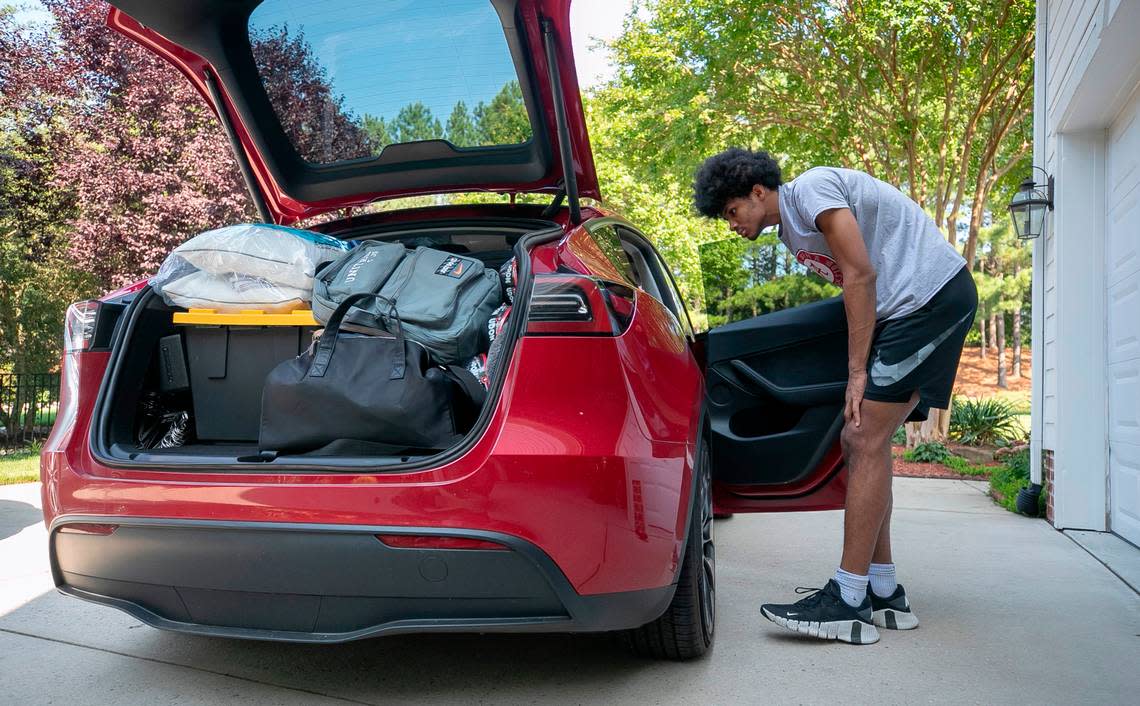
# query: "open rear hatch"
{"type": "Point", "coordinates": [335, 104]}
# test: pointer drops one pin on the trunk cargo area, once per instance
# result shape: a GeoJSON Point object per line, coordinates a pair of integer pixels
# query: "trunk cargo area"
{"type": "Point", "coordinates": [172, 367]}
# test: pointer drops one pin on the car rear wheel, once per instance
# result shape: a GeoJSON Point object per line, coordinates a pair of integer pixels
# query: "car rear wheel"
{"type": "Point", "coordinates": [686, 629]}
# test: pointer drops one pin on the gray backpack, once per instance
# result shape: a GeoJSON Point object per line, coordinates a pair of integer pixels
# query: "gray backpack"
{"type": "Point", "coordinates": [443, 300]}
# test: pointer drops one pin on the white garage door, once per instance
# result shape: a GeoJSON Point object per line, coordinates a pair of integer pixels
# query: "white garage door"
{"type": "Point", "coordinates": [1122, 266]}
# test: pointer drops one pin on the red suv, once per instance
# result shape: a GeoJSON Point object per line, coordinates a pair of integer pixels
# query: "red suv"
{"type": "Point", "coordinates": [583, 497]}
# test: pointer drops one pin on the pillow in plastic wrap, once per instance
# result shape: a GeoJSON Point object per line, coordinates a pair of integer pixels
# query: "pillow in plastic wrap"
{"type": "Point", "coordinates": [232, 293]}
{"type": "Point", "coordinates": [286, 256]}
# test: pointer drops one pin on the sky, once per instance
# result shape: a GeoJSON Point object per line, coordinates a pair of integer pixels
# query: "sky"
{"type": "Point", "coordinates": [591, 21]}
{"type": "Point", "coordinates": [463, 59]}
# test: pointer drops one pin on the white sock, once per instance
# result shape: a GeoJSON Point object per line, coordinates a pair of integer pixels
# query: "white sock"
{"type": "Point", "coordinates": [853, 587]}
{"type": "Point", "coordinates": [882, 578]}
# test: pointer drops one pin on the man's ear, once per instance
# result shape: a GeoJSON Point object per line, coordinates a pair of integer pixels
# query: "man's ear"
{"type": "Point", "coordinates": [760, 191]}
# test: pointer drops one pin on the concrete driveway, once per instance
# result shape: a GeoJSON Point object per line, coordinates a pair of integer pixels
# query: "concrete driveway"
{"type": "Point", "coordinates": [1012, 612]}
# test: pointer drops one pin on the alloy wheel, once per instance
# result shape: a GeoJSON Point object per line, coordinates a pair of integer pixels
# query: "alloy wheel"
{"type": "Point", "coordinates": [706, 581]}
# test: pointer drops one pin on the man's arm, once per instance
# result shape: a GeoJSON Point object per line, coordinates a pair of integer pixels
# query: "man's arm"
{"type": "Point", "coordinates": [843, 237]}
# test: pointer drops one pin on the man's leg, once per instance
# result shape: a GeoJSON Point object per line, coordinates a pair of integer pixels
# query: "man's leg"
{"type": "Point", "coordinates": [842, 610]}
{"type": "Point", "coordinates": [882, 553]}
{"type": "Point", "coordinates": [867, 451]}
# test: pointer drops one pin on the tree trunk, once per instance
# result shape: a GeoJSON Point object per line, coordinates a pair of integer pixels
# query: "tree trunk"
{"type": "Point", "coordinates": [1002, 382]}
{"type": "Point", "coordinates": [977, 210]}
{"type": "Point", "coordinates": [1017, 343]}
{"type": "Point", "coordinates": [935, 428]}
{"type": "Point", "coordinates": [982, 330]}
{"type": "Point", "coordinates": [993, 330]}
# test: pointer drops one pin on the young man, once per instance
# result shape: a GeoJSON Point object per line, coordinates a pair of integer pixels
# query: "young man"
{"type": "Point", "coordinates": [909, 301]}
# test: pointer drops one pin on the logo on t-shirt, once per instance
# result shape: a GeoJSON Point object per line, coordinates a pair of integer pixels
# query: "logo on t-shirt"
{"type": "Point", "coordinates": [822, 265]}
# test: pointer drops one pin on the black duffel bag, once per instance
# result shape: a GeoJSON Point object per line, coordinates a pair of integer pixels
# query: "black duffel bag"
{"type": "Point", "coordinates": [381, 390]}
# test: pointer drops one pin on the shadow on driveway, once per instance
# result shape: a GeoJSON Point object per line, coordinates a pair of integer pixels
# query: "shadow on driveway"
{"type": "Point", "coordinates": [446, 668]}
{"type": "Point", "coordinates": [15, 516]}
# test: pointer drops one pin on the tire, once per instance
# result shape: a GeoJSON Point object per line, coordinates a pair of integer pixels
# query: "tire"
{"type": "Point", "coordinates": [687, 627]}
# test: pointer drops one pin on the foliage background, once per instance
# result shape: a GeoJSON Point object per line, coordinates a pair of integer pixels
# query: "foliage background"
{"type": "Point", "coordinates": [108, 158]}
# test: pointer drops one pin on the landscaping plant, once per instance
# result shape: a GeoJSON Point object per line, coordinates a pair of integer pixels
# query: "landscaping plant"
{"type": "Point", "coordinates": [1011, 477]}
{"type": "Point", "coordinates": [930, 452]}
{"type": "Point", "coordinates": [964, 467]}
{"type": "Point", "coordinates": [984, 422]}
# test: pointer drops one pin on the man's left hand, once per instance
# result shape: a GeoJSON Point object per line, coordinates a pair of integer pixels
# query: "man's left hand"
{"type": "Point", "coordinates": [856, 386]}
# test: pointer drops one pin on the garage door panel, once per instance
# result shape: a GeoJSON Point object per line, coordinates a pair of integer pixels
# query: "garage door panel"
{"type": "Point", "coordinates": [1122, 247]}
{"type": "Point", "coordinates": [1124, 402]}
{"type": "Point", "coordinates": [1122, 293]}
{"type": "Point", "coordinates": [1124, 152]}
{"type": "Point", "coordinates": [1125, 490]}
{"type": "Point", "coordinates": [1124, 321]}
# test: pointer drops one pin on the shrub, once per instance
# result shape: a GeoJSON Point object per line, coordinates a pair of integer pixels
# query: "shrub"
{"type": "Point", "coordinates": [1011, 477]}
{"type": "Point", "coordinates": [899, 437]}
{"type": "Point", "coordinates": [930, 452]}
{"type": "Point", "coordinates": [984, 422]}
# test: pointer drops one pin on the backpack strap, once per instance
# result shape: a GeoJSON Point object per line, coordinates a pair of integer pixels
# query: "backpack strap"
{"type": "Point", "coordinates": [471, 387]}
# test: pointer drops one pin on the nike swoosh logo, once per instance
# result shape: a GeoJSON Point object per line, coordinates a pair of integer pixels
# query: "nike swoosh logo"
{"type": "Point", "coordinates": [884, 375]}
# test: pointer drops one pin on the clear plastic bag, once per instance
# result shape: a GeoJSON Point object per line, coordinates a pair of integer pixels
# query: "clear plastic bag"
{"type": "Point", "coordinates": [232, 292]}
{"type": "Point", "coordinates": [247, 266]}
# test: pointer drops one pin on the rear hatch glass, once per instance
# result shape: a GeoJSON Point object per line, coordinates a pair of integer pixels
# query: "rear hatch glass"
{"type": "Point", "coordinates": [348, 78]}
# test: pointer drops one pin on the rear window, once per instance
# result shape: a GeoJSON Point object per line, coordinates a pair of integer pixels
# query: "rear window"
{"type": "Point", "coordinates": [347, 78]}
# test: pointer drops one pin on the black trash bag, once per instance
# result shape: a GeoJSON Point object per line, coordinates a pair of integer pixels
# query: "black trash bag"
{"type": "Point", "coordinates": [163, 422]}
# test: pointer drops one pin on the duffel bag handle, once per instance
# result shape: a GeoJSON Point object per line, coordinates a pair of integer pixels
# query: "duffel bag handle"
{"type": "Point", "coordinates": [326, 344]}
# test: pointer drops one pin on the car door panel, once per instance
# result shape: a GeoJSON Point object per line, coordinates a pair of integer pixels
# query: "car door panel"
{"type": "Point", "coordinates": [775, 394]}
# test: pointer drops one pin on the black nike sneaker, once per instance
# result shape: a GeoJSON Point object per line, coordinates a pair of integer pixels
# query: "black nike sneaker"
{"type": "Point", "coordinates": [825, 615]}
{"type": "Point", "coordinates": [893, 613]}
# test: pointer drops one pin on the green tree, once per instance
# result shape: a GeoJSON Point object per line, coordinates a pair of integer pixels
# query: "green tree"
{"type": "Point", "coordinates": [377, 131]}
{"type": "Point", "coordinates": [415, 122]}
{"type": "Point", "coordinates": [461, 128]}
{"type": "Point", "coordinates": [38, 278]}
{"type": "Point", "coordinates": [934, 97]}
{"type": "Point", "coordinates": [1003, 280]}
{"type": "Point", "coordinates": [503, 121]}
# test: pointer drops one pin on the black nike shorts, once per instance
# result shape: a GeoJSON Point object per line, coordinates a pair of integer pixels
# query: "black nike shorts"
{"type": "Point", "coordinates": [920, 351]}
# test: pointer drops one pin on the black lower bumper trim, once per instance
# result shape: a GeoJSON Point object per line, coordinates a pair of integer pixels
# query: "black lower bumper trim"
{"type": "Point", "coordinates": [327, 583]}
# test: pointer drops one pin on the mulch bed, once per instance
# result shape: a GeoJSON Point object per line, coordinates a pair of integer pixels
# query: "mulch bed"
{"type": "Point", "coordinates": [909, 469]}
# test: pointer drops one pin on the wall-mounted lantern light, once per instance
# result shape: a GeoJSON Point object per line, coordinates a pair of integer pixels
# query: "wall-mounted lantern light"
{"type": "Point", "coordinates": [1027, 209]}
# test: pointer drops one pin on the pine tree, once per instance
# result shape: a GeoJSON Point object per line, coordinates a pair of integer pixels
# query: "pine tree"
{"type": "Point", "coordinates": [414, 123]}
{"type": "Point", "coordinates": [461, 128]}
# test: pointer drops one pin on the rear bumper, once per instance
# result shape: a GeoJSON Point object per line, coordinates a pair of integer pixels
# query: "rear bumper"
{"type": "Point", "coordinates": [326, 583]}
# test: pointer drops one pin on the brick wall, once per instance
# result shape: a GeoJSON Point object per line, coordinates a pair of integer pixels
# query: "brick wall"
{"type": "Point", "coordinates": [1047, 477]}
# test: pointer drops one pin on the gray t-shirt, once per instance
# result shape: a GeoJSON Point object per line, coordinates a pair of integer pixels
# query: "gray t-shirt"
{"type": "Point", "coordinates": [911, 257]}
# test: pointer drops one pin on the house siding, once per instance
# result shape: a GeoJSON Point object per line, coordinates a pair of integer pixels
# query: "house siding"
{"type": "Point", "coordinates": [1086, 300]}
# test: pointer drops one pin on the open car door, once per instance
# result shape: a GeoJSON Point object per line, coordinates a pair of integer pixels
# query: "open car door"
{"type": "Point", "coordinates": [775, 389]}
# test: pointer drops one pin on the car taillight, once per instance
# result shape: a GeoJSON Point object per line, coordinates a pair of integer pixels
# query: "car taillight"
{"type": "Point", "coordinates": [79, 325]}
{"type": "Point", "coordinates": [578, 305]}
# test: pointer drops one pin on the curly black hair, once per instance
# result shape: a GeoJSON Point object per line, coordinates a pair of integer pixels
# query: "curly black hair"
{"type": "Point", "coordinates": [730, 174]}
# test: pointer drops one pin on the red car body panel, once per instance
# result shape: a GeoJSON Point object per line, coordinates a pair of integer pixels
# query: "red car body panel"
{"type": "Point", "coordinates": [584, 475]}
{"type": "Point", "coordinates": [588, 456]}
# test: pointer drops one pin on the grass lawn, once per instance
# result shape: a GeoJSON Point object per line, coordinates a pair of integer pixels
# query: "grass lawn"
{"type": "Point", "coordinates": [20, 467]}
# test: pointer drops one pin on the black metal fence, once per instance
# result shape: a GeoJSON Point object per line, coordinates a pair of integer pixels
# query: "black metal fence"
{"type": "Point", "coordinates": [28, 405]}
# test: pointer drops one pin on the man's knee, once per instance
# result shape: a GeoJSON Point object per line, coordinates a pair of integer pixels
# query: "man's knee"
{"type": "Point", "coordinates": [861, 441]}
